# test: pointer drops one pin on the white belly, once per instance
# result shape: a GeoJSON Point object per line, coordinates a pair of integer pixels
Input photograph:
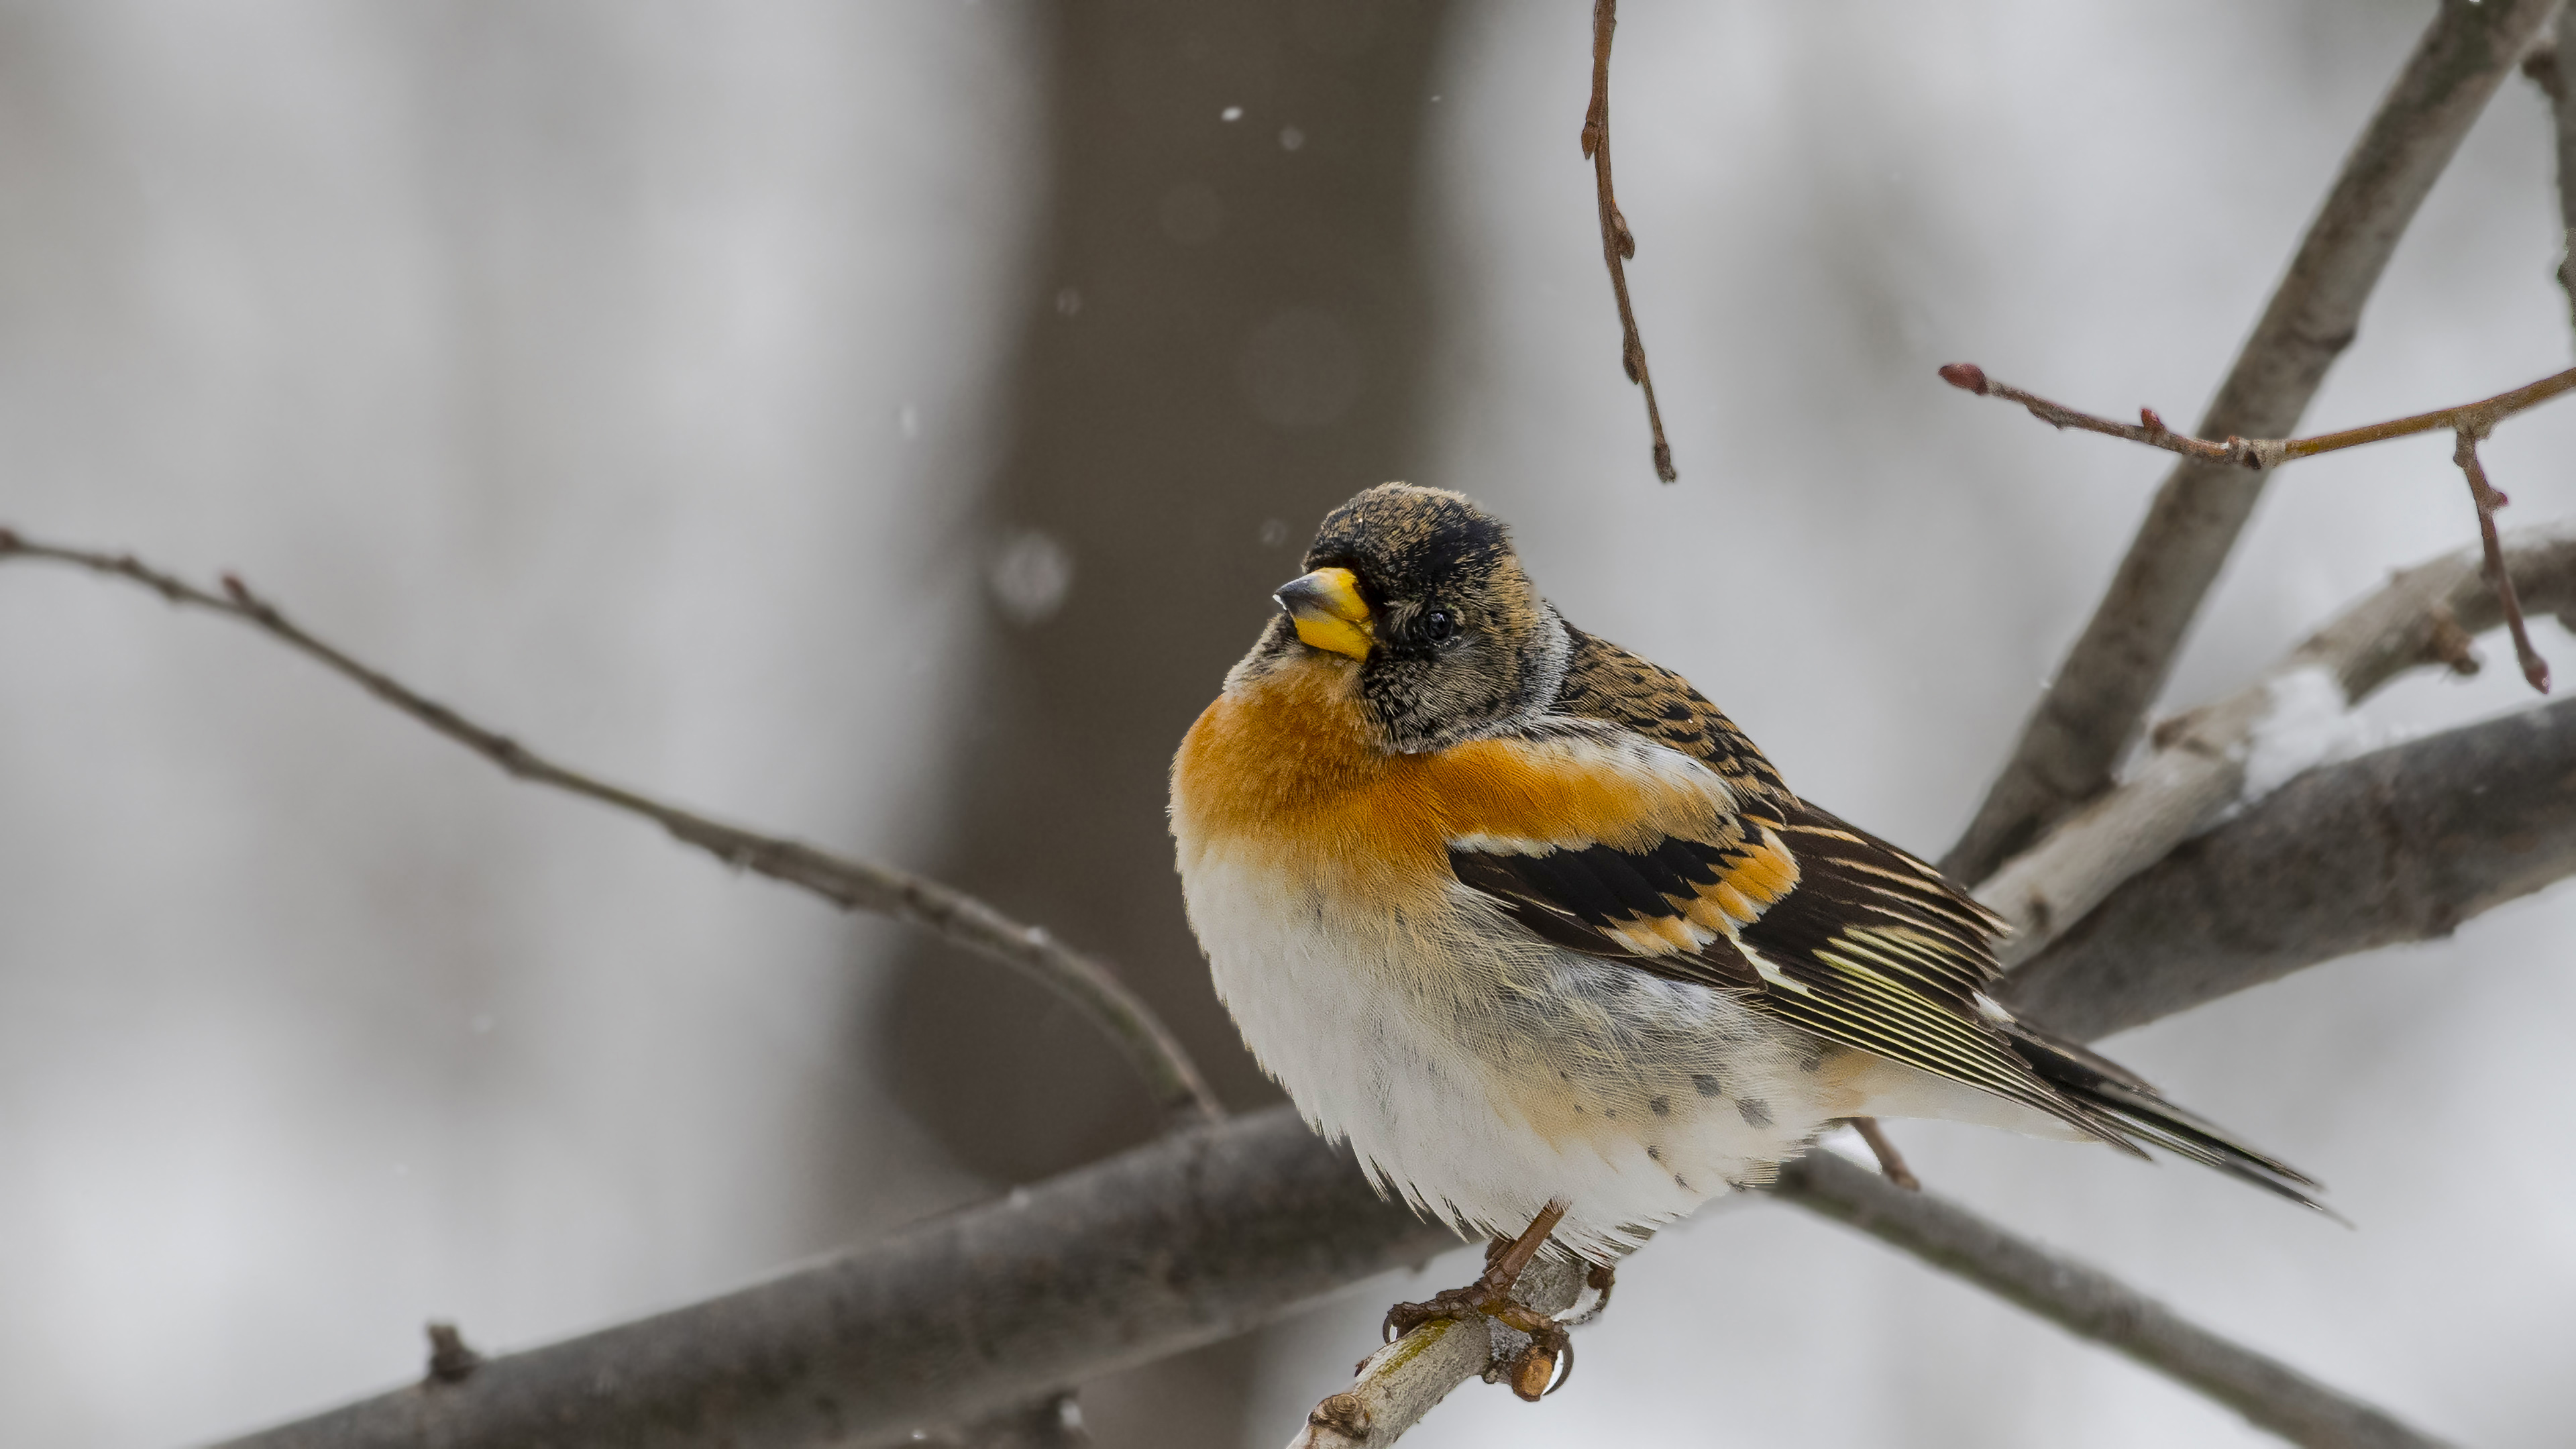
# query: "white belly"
{"type": "Point", "coordinates": [1482, 1072]}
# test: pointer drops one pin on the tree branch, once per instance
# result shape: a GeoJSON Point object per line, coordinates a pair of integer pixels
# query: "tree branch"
{"type": "Point", "coordinates": [2547, 65]}
{"type": "Point", "coordinates": [1089, 985]}
{"type": "Point", "coordinates": [2101, 692]}
{"type": "Point", "coordinates": [1197, 1237]}
{"type": "Point", "coordinates": [1395, 1386]}
{"type": "Point", "coordinates": [1214, 1231]}
{"type": "Point", "coordinates": [2469, 424]}
{"type": "Point", "coordinates": [2091, 1304]}
{"type": "Point", "coordinates": [2401, 845]}
{"type": "Point", "coordinates": [2261, 453]}
{"type": "Point", "coordinates": [2201, 761]}
{"type": "Point", "coordinates": [1617, 242]}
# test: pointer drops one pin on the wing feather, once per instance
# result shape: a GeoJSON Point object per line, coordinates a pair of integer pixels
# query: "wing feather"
{"type": "Point", "coordinates": [1816, 922]}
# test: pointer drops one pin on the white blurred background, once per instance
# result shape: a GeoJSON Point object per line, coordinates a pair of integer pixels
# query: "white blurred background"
{"type": "Point", "coordinates": [627, 374]}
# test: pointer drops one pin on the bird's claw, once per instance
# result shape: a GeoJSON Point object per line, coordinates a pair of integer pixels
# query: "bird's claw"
{"type": "Point", "coordinates": [1533, 1373]}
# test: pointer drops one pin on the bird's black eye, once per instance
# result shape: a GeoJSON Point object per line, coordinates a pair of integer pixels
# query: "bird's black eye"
{"type": "Point", "coordinates": [1439, 624]}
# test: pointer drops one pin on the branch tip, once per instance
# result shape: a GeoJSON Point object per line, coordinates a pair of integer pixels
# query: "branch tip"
{"type": "Point", "coordinates": [1618, 244]}
{"type": "Point", "coordinates": [1966, 376]}
{"type": "Point", "coordinates": [451, 1360]}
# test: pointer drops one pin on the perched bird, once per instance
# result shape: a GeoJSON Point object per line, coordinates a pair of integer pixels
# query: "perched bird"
{"type": "Point", "coordinates": [1543, 936]}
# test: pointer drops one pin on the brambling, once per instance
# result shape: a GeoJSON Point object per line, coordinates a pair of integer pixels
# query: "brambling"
{"type": "Point", "coordinates": [1543, 936]}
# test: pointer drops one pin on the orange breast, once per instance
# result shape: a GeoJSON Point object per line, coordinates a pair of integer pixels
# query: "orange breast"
{"type": "Point", "coordinates": [1284, 765]}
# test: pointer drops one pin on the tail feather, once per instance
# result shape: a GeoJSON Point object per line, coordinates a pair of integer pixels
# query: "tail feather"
{"type": "Point", "coordinates": [2133, 1107]}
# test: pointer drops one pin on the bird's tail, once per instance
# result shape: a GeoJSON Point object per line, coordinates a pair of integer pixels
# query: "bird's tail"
{"type": "Point", "coordinates": [2138, 1110]}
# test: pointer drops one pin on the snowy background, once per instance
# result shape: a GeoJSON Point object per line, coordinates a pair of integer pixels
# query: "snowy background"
{"type": "Point", "coordinates": [620, 373]}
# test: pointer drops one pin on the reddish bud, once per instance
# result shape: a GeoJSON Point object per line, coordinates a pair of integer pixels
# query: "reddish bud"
{"type": "Point", "coordinates": [235, 587]}
{"type": "Point", "coordinates": [1965, 375]}
{"type": "Point", "coordinates": [2147, 419]}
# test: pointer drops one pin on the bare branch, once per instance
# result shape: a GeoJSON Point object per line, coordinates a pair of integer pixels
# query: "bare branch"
{"type": "Point", "coordinates": [1617, 242]}
{"type": "Point", "coordinates": [1199, 1236]}
{"type": "Point", "coordinates": [2469, 423]}
{"type": "Point", "coordinates": [2197, 769]}
{"type": "Point", "coordinates": [1891, 1163]}
{"type": "Point", "coordinates": [1213, 1232]}
{"type": "Point", "coordinates": [1395, 1386]}
{"type": "Point", "coordinates": [1088, 984]}
{"type": "Point", "coordinates": [2488, 500]}
{"type": "Point", "coordinates": [2401, 845]}
{"type": "Point", "coordinates": [2094, 707]}
{"type": "Point", "coordinates": [2091, 1304]}
{"type": "Point", "coordinates": [2259, 453]}
{"type": "Point", "coordinates": [2547, 65]}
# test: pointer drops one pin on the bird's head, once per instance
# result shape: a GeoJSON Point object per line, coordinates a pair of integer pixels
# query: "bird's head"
{"type": "Point", "coordinates": [1421, 589]}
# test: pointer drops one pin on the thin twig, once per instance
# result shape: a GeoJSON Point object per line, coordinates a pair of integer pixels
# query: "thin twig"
{"type": "Point", "coordinates": [2150, 429]}
{"type": "Point", "coordinates": [2091, 1304]}
{"type": "Point", "coordinates": [2484, 495]}
{"type": "Point", "coordinates": [1617, 242]}
{"type": "Point", "coordinates": [1891, 1163]}
{"type": "Point", "coordinates": [2099, 697]}
{"type": "Point", "coordinates": [1092, 988]}
{"type": "Point", "coordinates": [2470, 422]}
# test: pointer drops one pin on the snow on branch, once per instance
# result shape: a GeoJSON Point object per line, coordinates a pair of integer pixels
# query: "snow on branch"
{"type": "Point", "coordinates": [2220, 757]}
{"type": "Point", "coordinates": [2404, 844]}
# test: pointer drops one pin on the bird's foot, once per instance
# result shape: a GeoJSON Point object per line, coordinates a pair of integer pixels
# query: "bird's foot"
{"type": "Point", "coordinates": [1532, 1372]}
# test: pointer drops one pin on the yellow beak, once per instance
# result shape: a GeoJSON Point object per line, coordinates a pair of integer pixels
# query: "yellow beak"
{"type": "Point", "coordinates": [1328, 611]}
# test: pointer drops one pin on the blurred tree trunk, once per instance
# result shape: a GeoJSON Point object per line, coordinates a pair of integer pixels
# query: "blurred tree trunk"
{"type": "Point", "coordinates": [1225, 345]}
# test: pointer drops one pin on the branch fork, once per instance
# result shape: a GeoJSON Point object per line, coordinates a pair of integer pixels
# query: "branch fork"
{"type": "Point", "coordinates": [2469, 425]}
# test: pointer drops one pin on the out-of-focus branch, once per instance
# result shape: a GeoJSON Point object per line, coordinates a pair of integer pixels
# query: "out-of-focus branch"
{"type": "Point", "coordinates": [2199, 765]}
{"type": "Point", "coordinates": [1196, 1237]}
{"type": "Point", "coordinates": [1395, 1386]}
{"type": "Point", "coordinates": [2547, 65]}
{"type": "Point", "coordinates": [2469, 424]}
{"type": "Point", "coordinates": [1090, 985]}
{"type": "Point", "coordinates": [1618, 244]}
{"type": "Point", "coordinates": [2403, 844]}
{"type": "Point", "coordinates": [1213, 1232]}
{"type": "Point", "coordinates": [2089, 1303]}
{"type": "Point", "coordinates": [2101, 692]}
